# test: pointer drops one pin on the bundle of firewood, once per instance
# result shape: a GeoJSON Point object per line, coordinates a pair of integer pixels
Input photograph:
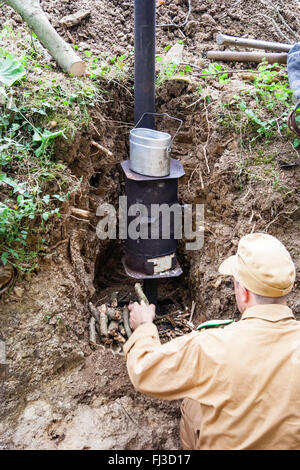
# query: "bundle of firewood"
{"type": "Point", "coordinates": [110, 322]}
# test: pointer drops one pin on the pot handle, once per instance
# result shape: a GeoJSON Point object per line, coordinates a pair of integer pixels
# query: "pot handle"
{"type": "Point", "coordinates": [164, 114]}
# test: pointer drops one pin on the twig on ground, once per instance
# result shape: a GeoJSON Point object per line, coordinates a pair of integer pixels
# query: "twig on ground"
{"type": "Point", "coordinates": [70, 36]}
{"type": "Point", "coordinates": [276, 10]}
{"type": "Point", "coordinates": [205, 156]}
{"type": "Point", "coordinates": [201, 179]}
{"type": "Point", "coordinates": [286, 25]}
{"type": "Point", "coordinates": [192, 311]}
{"type": "Point", "coordinates": [58, 244]}
{"type": "Point", "coordinates": [122, 86]}
{"type": "Point", "coordinates": [80, 212]}
{"type": "Point", "coordinates": [274, 24]}
{"type": "Point", "coordinates": [173, 25]}
{"type": "Point", "coordinates": [277, 216]}
{"type": "Point", "coordinates": [81, 220]}
{"type": "Point", "coordinates": [195, 102]}
{"type": "Point", "coordinates": [191, 177]}
{"type": "Point", "coordinates": [103, 149]}
{"type": "Point", "coordinates": [207, 140]}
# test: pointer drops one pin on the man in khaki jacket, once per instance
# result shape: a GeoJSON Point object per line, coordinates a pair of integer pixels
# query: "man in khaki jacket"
{"type": "Point", "coordinates": [241, 383]}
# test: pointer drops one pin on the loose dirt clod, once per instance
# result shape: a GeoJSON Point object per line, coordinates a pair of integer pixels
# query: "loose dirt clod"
{"type": "Point", "coordinates": [75, 18]}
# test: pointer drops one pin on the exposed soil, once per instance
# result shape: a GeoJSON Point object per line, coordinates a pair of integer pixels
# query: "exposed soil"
{"type": "Point", "coordinates": [60, 393]}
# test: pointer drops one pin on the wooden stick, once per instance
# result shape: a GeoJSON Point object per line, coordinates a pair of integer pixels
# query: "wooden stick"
{"type": "Point", "coordinates": [254, 43]}
{"type": "Point", "coordinates": [126, 322]}
{"type": "Point", "coordinates": [232, 56]}
{"type": "Point", "coordinates": [102, 149]}
{"type": "Point", "coordinates": [114, 325]}
{"type": "Point", "coordinates": [103, 320]}
{"type": "Point", "coordinates": [93, 311]}
{"type": "Point", "coordinates": [192, 310]}
{"type": "Point", "coordinates": [80, 212]}
{"type": "Point", "coordinates": [140, 294]}
{"type": "Point", "coordinates": [92, 331]}
{"type": "Point", "coordinates": [114, 299]}
{"type": "Point", "coordinates": [114, 314]}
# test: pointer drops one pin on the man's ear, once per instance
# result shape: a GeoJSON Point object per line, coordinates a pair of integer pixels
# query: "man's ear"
{"type": "Point", "coordinates": [244, 293]}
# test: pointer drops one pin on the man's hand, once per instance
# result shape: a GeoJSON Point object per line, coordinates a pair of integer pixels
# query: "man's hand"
{"type": "Point", "coordinates": [140, 314]}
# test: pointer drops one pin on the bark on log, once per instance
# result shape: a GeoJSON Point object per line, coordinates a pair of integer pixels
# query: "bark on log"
{"type": "Point", "coordinates": [231, 56]}
{"type": "Point", "coordinates": [254, 43]}
{"type": "Point", "coordinates": [62, 52]}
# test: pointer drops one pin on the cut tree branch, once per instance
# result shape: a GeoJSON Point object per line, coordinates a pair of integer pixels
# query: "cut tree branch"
{"type": "Point", "coordinates": [254, 43]}
{"type": "Point", "coordinates": [270, 57]}
{"type": "Point", "coordinates": [62, 52]}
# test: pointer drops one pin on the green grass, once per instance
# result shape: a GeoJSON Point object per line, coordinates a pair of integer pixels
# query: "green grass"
{"type": "Point", "coordinates": [39, 107]}
{"type": "Point", "coordinates": [259, 112]}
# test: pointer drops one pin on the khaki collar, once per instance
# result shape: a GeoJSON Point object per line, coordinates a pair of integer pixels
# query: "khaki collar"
{"type": "Point", "coordinates": [269, 312]}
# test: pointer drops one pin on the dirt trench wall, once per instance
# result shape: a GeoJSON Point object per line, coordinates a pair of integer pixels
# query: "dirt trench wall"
{"type": "Point", "coordinates": [60, 393]}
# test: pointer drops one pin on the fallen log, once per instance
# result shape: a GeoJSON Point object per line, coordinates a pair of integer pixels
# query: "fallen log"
{"type": "Point", "coordinates": [232, 56]}
{"type": "Point", "coordinates": [62, 52]}
{"type": "Point", "coordinates": [254, 43]}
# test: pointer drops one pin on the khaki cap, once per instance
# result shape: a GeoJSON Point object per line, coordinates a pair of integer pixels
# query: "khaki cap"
{"type": "Point", "coordinates": [262, 264]}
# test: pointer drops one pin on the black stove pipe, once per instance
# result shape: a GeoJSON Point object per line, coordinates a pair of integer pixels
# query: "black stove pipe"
{"type": "Point", "coordinates": [144, 84]}
{"type": "Point", "coordinates": [144, 61]}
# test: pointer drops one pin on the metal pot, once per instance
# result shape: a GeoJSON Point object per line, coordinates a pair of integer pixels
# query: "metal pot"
{"type": "Point", "coordinates": [150, 149]}
{"type": "Point", "coordinates": [150, 152]}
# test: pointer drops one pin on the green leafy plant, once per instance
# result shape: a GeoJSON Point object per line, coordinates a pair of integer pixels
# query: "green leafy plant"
{"type": "Point", "coordinates": [11, 70]}
{"type": "Point", "coordinates": [44, 139]}
{"type": "Point", "coordinates": [172, 68]}
{"type": "Point", "coordinates": [259, 111]}
{"type": "Point", "coordinates": [28, 174]}
{"type": "Point", "coordinates": [217, 71]}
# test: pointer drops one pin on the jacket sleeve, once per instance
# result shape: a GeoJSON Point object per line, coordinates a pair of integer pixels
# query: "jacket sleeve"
{"type": "Point", "coordinates": [167, 371]}
{"type": "Point", "coordinates": [293, 67]}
